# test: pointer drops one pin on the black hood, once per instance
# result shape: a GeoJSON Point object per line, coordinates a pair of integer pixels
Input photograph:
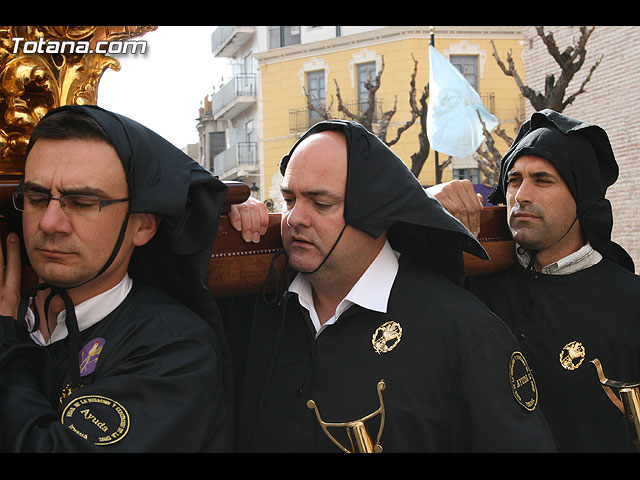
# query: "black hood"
{"type": "Point", "coordinates": [582, 154]}
{"type": "Point", "coordinates": [165, 181]}
{"type": "Point", "coordinates": [383, 195]}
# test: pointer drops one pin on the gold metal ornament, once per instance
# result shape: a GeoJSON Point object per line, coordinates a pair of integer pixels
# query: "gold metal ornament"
{"type": "Point", "coordinates": [53, 71]}
{"type": "Point", "coordinates": [572, 355]}
{"type": "Point", "coordinates": [360, 441]}
{"type": "Point", "coordinates": [627, 400]}
{"type": "Point", "coordinates": [386, 337]}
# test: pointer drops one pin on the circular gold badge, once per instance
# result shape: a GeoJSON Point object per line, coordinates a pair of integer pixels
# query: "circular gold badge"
{"type": "Point", "coordinates": [97, 419]}
{"type": "Point", "coordinates": [572, 355]}
{"type": "Point", "coordinates": [522, 382]}
{"type": "Point", "coordinates": [386, 337]}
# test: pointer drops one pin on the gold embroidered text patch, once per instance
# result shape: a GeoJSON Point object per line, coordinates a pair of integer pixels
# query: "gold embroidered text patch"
{"type": "Point", "coordinates": [97, 419]}
{"type": "Point", "coordinates": [522, 382]}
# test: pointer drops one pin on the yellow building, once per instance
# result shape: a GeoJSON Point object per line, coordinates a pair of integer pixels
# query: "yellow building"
{"type": "Point", "coordinates": [295, 60]}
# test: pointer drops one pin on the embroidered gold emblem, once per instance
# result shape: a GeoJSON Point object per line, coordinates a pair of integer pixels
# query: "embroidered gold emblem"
{"type": "Point", "coordinates": [522, 382]}
{"type": "Point", "coordinates": [386, 337]}
{"type": "Point", "coordinates": [97, 419]}
{"type": "Point", "coordinates": [572, 355]}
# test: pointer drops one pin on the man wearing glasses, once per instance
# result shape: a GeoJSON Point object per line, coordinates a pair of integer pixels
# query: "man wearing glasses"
{"type": "Point", "coordinates": [103, 354]}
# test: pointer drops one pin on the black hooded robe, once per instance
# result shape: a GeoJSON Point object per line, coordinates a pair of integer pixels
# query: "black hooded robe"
{"type": "Point", "coordinates": [448, 386]}
{"type": "Point", "coordinates": [447, 380]}
{"type": "Point", "coordinates": [156, 386]}
{"type": "Point", "coordinates": [161, 382]}
{"type": "Point", "coordinates": [598, 307]}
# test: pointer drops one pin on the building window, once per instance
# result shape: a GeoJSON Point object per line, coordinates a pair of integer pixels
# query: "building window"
{"type": "Point", "coordinates": [472, 174]}
{"type": "Point", "coordinates": [249, 64]}
{"type": "Point", "coordinates": [468, 66]}
{"type": "Point", "coordinates": [366, 72]}
{"type": "Point", "coordinates": [283, 36]}
{"type": "Point", "coordinates": [316, 89]}
{"type": "Point", "coordinates": [248, 131]}
{"type": "Point", "coordinates": [217, 144]}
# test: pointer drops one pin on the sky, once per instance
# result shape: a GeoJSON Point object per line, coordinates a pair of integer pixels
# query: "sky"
{"type": "Point", "coordinates": [164, 87]}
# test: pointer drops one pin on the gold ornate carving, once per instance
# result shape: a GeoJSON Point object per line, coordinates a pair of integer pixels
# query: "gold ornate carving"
{"type": "Point", "coordinates": [36, 80]}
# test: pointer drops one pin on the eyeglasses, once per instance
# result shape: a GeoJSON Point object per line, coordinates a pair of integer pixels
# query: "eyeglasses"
{"type": "Point", "coordinates": [72, 204]}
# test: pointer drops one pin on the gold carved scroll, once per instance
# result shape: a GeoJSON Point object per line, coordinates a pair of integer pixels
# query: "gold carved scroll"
{"type": "Point", "coordinates": [41, 68]}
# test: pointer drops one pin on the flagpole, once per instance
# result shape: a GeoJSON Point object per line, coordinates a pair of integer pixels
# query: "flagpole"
{"type": "Point", "coordinates": [432, 40]}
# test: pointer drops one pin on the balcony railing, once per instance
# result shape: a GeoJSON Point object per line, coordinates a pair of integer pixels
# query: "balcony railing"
{"type": "Point", "coordinates": [489, 101]}
{"type": "Point", "coordinates": [359, 107]}
{"type": "Point", "coordinates": [303, 118]}
{"type": "Point", "coordinates": [241, 156]}
{"type": "Point", "coordinates": [227, 40]}
{"type": "Point", "coordinates": [234, 96]}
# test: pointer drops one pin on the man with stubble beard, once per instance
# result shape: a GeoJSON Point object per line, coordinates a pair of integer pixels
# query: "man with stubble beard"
{"type": "Point", "coordinates": [572, 296]}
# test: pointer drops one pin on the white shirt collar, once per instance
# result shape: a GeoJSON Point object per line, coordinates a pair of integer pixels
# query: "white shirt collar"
{"type": "Point", "coordinates": [583, 258]}
{"type": "Point", "coordinates": [371, 291]}
{"type": "Point", "coordinates": [88, 313]}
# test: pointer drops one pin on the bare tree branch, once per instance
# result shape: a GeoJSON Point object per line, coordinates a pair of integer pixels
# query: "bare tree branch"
{"type": "Point", "coordinates": [569, 100]}
{"type": "Point", "coordinates": [341, 106]}
{"type": "Point", "coordinates": [442, 167]}
{"type": "Point", "coordinates": [554, 97]}
{"type": "Point", "coordinates": [420, 157]}
{"type": "Point", "coordinates": [372, 89]}
{"type": "Point", "coordinates": [488, 157]}
{"type": "Point", "coordinates": [536, 98]}
{"type": "Point", "coordinates": [366, 117]}
{"type": "Point", "coordinates": [385, 119]}
{"type": "Point", "coordinates": [418, 110]}
{"type": "Point", "coordinates": [570, 61]}
{"type": "Point", "coordinates": [415, 112]}
{"type": "Point", "coordinates": [502, 134]}
{"type": "Point", "coordinates": [315, 105]}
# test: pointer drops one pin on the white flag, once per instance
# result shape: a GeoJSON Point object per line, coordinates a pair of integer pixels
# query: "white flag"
{"type": "Point", "coordinates": [453, 126]}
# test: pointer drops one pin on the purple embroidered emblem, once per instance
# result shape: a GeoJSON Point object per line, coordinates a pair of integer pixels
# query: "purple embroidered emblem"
{"type": "Point", "coordinates": [88, 356]}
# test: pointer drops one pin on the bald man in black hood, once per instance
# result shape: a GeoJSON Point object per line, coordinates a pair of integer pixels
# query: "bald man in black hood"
{"type": "Point", "coordinates": [119, 348]}
{"type": "Point", "coordinates": [375, 326]}
{"type": "Point", "coordinates": [573, 296]}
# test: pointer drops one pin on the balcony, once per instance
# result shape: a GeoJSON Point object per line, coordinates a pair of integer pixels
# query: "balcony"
{"type": "Point", "coordinates": [227, 40]}
{"type": "Point", "coordinates": [237, 161]}
{"type": "Point", "coordinates": [234, 97]}
{"type": "Point", "coordinates": [489, 101]}
{"type": "Point", "coordinates": [301, 119]}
